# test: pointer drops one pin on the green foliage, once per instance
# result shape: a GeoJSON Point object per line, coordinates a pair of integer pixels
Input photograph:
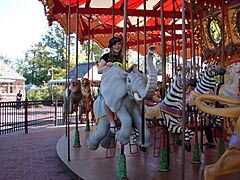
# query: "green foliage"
{"type": "Point", "coordinates": [5, 60]}
{"type": "Point", "coordinates": [45, 93]}
{"type": "Point", "coordinates": [50, 53]}
{"type": "Point", "coordinates": [97, 50]}
{"type": "Point", "coordinates": [47, 54]}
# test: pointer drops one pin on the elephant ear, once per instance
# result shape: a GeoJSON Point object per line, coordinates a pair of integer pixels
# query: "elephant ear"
{"type": "Point", "coordinates": [113, 87]}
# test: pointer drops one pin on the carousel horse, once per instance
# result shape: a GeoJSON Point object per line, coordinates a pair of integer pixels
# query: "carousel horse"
{"type": "Point", "coordinates": [171, 108]}
{"type": "Point", "coordinates": [207, 85]}
{"type": "Point", "coordinates": [231, 87]}
{"type": "Point", "coordinates": [86, 95]}
{"type": "Point", "coordinates": [229, 162]}
{"type": "Point", "coordinates": [169, 111]}
{"type": "Point", "coordinates": [74, 95]}
{"type": "Point", "coordinates": [123, 93]}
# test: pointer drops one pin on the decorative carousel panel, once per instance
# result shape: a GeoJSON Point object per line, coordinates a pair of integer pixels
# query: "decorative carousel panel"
{"type": "Point", "coordinates": [234, 24]}
{"type": "Point", "coordinates": [212, 34]}
{"type": "Point", "coordinates": [213, 30]}
{"type": "Point", "coordinates": [232, 49]}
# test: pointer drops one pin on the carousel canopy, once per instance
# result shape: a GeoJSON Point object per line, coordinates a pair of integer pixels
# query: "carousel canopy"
{"type": "Point", "coordinates": [95, 20]}
{"type": "Point", "coordinates": [99, 18]}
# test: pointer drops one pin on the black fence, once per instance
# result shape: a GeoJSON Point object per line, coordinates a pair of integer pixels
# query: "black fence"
{"type": "Point", "coordinates": [15, 116]}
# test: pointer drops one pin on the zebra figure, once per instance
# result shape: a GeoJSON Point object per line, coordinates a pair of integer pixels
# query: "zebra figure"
{"type": "Point", "coordinates": [207, 85]}
{"type": "Point", "coordinates": [171, 109]}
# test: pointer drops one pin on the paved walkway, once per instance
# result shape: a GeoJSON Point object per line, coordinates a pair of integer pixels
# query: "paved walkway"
{"type": "Point", "coordinates": [32, 156]}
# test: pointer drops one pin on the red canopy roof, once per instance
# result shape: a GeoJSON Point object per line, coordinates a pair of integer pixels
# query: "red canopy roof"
{"type": "Point", "coordinates": [95, 19]}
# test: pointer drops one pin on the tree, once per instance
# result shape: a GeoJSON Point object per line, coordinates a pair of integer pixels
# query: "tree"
{"type": "Point", "coordinates": [50, 53]}
{"type": "Point", "coordinates": [5, 60]}
{"type": "Point", "coordinates": [97, 50]}
{"type": "Point", "coordinates": [47, 54]}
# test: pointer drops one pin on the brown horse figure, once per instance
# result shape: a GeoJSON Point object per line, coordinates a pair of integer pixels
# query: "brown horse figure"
{"type": "Point", "coordinates": [74, 95]}
{"type": "Point", "coordinates": [87, 96]}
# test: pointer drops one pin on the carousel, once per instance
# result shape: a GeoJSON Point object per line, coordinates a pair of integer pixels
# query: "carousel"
{"type": "Point", "coordinates": [185, 127]}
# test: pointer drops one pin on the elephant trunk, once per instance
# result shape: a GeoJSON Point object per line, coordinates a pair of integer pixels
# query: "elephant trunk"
{"type": "Point", "coordinates": [149, 90]}
{"type": "Point", "coordinates": [230, 112]}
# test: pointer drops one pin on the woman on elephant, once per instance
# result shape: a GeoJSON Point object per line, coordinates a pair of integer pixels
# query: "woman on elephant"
{"type": "Point", "coordinates": [107, 60]}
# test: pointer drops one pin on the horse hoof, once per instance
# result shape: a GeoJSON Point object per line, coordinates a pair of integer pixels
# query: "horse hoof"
{"type": "Point", "coordinates": [142, 148]}
{"type": "Point", "coordinates": [188, 146]}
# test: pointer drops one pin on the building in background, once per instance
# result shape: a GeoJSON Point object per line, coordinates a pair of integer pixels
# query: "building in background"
{"type": "Point", "coordinates": [10, 83]}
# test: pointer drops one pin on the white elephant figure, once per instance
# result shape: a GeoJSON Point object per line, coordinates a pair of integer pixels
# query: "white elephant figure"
{"type": "Point", "coordinates": [124, 93]}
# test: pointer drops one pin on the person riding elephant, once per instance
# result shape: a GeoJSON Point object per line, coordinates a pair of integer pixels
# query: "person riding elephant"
{"type": "Point", "coordinates": [123, 93]}
{"type": "Point", "coordinates": [107, 60]}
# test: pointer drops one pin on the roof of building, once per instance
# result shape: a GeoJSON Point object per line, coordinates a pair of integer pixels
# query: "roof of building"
{"type": "Point", "coordinates": [83, 69]}
{"type": "Point", "coordinates": [8, 75]}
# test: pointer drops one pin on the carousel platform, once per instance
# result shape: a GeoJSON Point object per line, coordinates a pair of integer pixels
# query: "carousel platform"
{"type": "Point", "coordinates": [93, 165]}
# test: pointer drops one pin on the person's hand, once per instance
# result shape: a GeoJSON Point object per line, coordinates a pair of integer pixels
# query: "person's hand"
{"type": "Point", "coordinates": [109, 64]}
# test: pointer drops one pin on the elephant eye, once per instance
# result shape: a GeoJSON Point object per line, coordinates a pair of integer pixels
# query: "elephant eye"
{"type": "Point", "coordinates": [129, 80]}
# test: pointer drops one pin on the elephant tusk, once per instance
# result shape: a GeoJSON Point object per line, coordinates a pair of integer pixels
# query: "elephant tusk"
{"type": "Point", "coordinates": [137, 97]}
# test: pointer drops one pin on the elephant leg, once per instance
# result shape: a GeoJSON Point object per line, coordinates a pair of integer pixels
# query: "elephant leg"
{"type": "Point", "coordinates": [108, 140]}
{"type": "Point", "coordinates": [228, 163]}
{"type": "Point", "coordinates": [123, 135]}
{"type": "Point", "coordinates": [137, 120]}
{"type": "Point", "coordinates": [99, 134]}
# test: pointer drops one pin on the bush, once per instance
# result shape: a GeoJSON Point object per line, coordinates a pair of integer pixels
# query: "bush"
{"type": "Point", "coordinates": [45, 93]}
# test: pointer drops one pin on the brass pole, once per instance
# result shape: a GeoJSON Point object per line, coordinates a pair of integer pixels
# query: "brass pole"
{"type": "Point", "coordinates": [145, 37]}
{"type": "Point", "coordinates": [192, 2]}
{"type": "Point", "coordinates": [76, 75]}
{"type": "Point", "coordinates": [66, 82]}
{"type": "Point", "coordinates": [68, 74]}
{"type": "Point", "coordinates": [138, 46]}
{"type": "Point", "coordinates": [223, 40]}
{"type": "Point", "coordinates": [113, 17]}
{"type": "Point", "coordinates": [89, 37]}
{"type": "Point", "coordinates": [173, 41]}
{"type": "Point", "coordinates": [92, 58]}
{"type": "Point", "coordinates": [184, 89]}
{"type": "Point", "coordinates": [174, 37]}
{"type": "Point", "coordinates": [77, 22]}
{"type": "Point", "coordinates": [163, 46]}
{"type": "Point", "coordinates": [125, 33]}
{"type": "Point", "coordinates": [145, 69]}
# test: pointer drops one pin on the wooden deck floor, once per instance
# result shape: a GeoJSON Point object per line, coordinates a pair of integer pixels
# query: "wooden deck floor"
{"type": "Point", "coordinates": [92, 165]}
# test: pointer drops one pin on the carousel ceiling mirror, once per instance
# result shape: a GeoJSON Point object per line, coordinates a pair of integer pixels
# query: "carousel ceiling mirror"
{"type": "Point", "coordinates": [214, 30]}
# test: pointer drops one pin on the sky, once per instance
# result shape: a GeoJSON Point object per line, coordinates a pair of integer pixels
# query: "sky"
{"type": "Point", "coordinates": [22, 22]}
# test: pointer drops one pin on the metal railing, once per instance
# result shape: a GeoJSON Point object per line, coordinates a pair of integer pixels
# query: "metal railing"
{"type": "Point", "coordinates": [19, 115]}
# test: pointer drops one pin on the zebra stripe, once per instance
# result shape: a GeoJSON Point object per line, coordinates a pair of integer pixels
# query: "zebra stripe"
{"type": "Point", "coordinates": [207, 85]}
{"type": "Point", "coordinates": [174, 99]}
